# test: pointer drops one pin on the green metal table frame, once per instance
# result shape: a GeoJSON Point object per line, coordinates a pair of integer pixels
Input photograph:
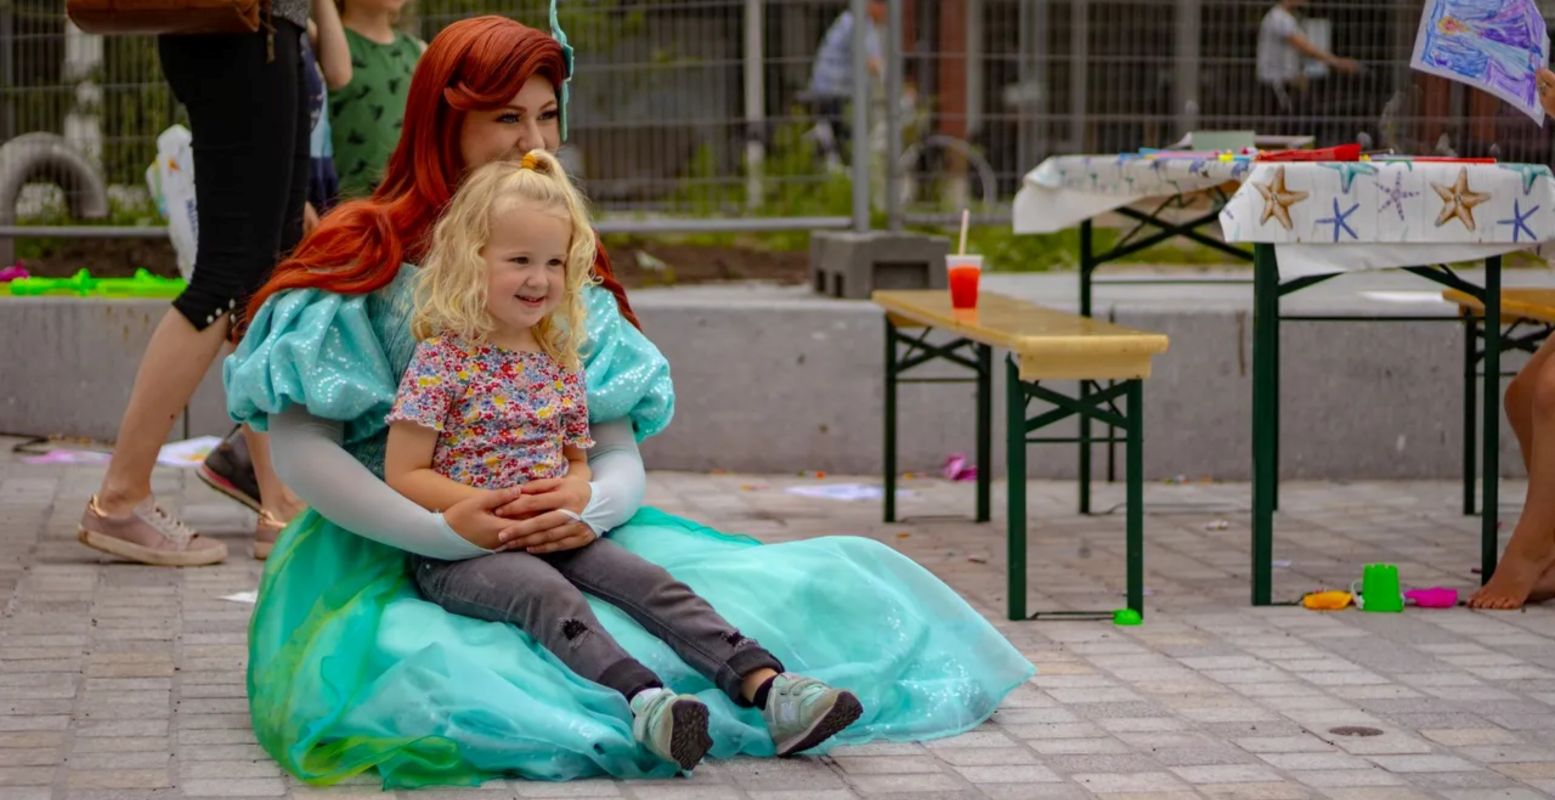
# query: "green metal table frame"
{"type": "Point", "coordinates": [1520, 334]}
{"type": "Point", "coordinates": [1133, 241]}
{"type": "Point", "coordinates": [1096, 403]}
{"type": "Point", "coordinates": [1267, 291]}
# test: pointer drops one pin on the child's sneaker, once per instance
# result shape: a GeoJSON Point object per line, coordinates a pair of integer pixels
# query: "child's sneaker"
{"type": "Point", "coordinates": [803, 712]}
{"type": "Point", "coordinates": [672, 726]}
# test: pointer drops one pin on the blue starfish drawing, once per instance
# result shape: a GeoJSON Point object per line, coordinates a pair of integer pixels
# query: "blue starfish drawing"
{"type": "Point", "coordinates": [1529, 173]}
{"type": "Point", "coordinates": [1196, 166]}
{"type": "Point", "coordinates": [1396, 195]}
{"type": "Point", "coordinates": [1340, 220]}
{"type": "Point", "coordinates": [1348, 170]}
{"type": "Point", "coordinates": [1240, 168]}
{"type": "Point", "coordinates": [1519, 221]}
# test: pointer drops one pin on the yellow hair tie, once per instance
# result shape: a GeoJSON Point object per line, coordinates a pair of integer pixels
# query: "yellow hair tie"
{"type": "Point", "coordinates": [530, 161]}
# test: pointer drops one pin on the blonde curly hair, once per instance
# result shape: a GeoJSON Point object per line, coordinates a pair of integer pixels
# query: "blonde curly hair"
{"type": "Point", "coordinates": [451, 286]}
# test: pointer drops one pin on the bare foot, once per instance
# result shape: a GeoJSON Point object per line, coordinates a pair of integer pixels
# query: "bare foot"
{"type": "Point", "coordinates": [1515, 578]}
{"type": "Point", "coordinates": [1544, 589]}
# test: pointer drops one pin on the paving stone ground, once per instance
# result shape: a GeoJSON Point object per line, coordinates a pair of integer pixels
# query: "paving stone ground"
{"type": "Point", "coordinates": [121, 682]}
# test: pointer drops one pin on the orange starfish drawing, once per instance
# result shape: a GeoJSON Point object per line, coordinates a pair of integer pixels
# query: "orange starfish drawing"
{"type": "Point", "coordinates": [1458, 200]}
{"type": "Point", "coordinates": [1277, 199]}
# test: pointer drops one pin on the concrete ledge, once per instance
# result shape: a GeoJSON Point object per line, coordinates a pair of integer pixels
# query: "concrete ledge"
{"type": "Point", "coordinates": [778, 379]}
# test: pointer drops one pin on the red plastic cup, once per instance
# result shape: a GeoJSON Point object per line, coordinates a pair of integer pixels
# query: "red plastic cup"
{"type": "Point", "coordinates": [963, 272]}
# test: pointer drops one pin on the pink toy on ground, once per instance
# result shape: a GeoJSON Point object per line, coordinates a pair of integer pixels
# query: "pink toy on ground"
{"type": "Point", "coordinates": [1435, 597]}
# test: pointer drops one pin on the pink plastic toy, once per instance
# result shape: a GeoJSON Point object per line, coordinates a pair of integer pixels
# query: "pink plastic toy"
{"type": "Point", "coordinates": [12, 272]}
{"type": "Point", "coordinates": [1436, 597]}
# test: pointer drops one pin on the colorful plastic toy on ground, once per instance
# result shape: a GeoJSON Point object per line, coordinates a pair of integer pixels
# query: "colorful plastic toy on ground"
{"type": "Point", "coordinates": [82, 284]}
{"type": "Point", "coordinates": [1333, 600]}
{"type": "Point", "coordinates": [1434, 597]}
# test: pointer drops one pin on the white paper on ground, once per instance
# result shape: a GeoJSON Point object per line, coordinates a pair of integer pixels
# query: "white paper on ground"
{"type": "Point", "coordinates": [249, 597]}
{"type": "Point", "coordinates": [844, 491]}
{"type": "Point", "coordinates": [1405, 297]}
{"type": "Point", "coordinates": [187, 453]}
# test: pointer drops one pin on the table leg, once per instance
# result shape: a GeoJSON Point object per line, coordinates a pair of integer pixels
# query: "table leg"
{"type": "Point", "coordinates": [889, 456]}
{"type": "Point", "coordinates": [1015, 469]}
{"type": "Point", "coordinates": [1135, 479]}
{"type": "Point", "coordinates": [1470, 413]}
{"type": "Point", "coordinates": [984, 429]}
{"type": "Point", "coordinates": [1266, 311]}
{"type": "Point", "coordinates": [1086, 268]}
{"type": "Point", "coordinates": [1491, 432]}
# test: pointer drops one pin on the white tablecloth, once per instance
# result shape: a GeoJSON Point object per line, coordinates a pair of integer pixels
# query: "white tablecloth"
{"type": "Point", "coordinates": [1331, 217]}
{"type": "Point", "coordinates": [1064, 191]}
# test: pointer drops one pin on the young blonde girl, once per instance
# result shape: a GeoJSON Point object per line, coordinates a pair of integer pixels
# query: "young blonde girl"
{"type": "Point", "coordinates": [493, 398]}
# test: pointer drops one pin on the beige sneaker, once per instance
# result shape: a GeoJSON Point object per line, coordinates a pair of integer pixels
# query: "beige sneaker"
{"type": "Point", "coordinates": [266, 531]}
{"type": "Point", "coordinates": [148, 535]}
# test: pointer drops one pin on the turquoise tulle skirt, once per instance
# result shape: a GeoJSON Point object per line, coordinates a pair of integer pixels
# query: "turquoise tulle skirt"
{"type": "Point", "coordinates": [350, 670]}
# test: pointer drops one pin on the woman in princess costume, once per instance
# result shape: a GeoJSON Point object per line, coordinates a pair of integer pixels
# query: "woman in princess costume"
{"type": "Point", "coordinates": [351, 669]}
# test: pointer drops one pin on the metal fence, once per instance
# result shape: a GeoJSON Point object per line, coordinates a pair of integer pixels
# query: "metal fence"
{"type": "Point", "coordinates": [695, 109]}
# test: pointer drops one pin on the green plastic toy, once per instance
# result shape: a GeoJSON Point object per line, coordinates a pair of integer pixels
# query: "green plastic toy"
{"type": "Point", "coordinates": [82, 284]}
{"type": "Point", "coordinates": [1380, 590]}
{"type": "Point", "coordinates": [1126, 617]}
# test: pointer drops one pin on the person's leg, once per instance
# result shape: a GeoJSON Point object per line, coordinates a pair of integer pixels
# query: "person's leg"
{"type": "Point", "coordinates": [277, 504]}
{"type": "Point", "coordinates": [240, 195]}
{"type": "Point", "coordinates": [669, 610]}
{"type": "Point", "coordinates": [1531, 551]}
{"type": "Point", "coordinates": [800, 712]}
{"type": "Point", "coordinates": [524, 590]}
{"type": "Point", "coordinates": [1519, 399]}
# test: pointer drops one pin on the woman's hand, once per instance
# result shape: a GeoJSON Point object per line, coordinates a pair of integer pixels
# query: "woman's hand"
{"type": "Point", "coordinates": [1546, 82]}
{"type": "Point", "coordinates": [476, 519]}
{"type": "Point", "coordinates": [546, 516]}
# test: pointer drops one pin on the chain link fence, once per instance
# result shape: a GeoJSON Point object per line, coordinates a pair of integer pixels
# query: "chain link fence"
{"type": "Point", "coordinates": [697, 110]}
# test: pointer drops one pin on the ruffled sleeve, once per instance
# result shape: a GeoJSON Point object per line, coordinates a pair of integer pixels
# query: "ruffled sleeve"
{"type": "Point", "coordinates": [625, 374]}
{"type": "Point", "coordinates": [314, 349]}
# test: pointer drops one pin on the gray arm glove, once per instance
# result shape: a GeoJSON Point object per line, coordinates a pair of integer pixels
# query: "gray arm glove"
{"type": "Point", "coordinates": [309, 458]}
{"type": "Point", "coordinates": [619, 480]}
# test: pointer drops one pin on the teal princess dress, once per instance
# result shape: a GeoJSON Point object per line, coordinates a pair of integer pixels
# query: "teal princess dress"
{"type": "Point", "coordinates": [351, 670]}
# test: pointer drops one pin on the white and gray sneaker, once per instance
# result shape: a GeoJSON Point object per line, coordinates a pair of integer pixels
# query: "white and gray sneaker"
{"type": "Point", "coordinates": [672, 726]}
{"type": "Point", "coordinates": [803, 712]}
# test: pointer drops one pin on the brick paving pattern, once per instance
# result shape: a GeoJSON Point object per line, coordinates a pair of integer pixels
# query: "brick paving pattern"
{"type": "Point", "coordinates": [121, 682]}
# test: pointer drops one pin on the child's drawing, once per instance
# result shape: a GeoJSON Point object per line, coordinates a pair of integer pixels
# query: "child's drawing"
{"type": "Point", "coordinates": [1493, 45]}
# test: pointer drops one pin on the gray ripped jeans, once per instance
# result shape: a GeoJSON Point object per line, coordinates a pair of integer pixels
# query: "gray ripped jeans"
{"type": "Point", "coordinates": [543, 595]}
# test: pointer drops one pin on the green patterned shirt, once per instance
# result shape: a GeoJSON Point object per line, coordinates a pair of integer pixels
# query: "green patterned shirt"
{"type": "Point", "coordinates": [366, 115]}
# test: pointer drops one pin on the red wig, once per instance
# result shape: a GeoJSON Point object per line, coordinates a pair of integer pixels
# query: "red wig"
{"type": "Point", "coordinates": [473, 64]}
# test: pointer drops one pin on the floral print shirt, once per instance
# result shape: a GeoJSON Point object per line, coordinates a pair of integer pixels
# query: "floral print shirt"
{"type": "Point", "coordinates": [502, 416]}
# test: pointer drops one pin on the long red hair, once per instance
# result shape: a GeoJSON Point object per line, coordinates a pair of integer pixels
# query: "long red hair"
{"type": "Point", "coordinates": [473, 64]}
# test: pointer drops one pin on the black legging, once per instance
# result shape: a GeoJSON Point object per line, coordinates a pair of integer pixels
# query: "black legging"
{"type": "Point", "coordinates": [250, 159]}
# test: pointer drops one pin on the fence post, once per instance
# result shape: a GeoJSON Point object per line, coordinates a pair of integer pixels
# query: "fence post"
{"type": "Point", "coordinates": [861, 26]}
{"type": "Point", "coordinates": [893, 111]}
{"type": "Point", "coordinates": [1079, 73]}
{"type": "Point", "coordinates": [755, 102]}
{"type": "Point", "coordinates": [1185, 94]}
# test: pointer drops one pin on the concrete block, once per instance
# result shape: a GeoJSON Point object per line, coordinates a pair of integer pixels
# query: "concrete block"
{"type": "Point", "coordinates": [851, 265]}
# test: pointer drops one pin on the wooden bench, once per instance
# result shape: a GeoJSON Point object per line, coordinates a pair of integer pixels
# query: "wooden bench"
{"type": "Point", "coordinates": [1527, 319]}
{"type": "Point", "coordinates": [1043, 344]}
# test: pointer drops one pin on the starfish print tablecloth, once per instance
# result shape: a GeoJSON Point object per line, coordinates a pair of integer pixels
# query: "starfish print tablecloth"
{"type": "Point", "coordinates": [1064, 191]}
{"type": "Point", "coordinates": [1326, 217]}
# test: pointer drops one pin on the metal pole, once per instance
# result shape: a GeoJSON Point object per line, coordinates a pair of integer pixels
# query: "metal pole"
{"type": "Point", "coordinates": [861, 25]}
{"type": "Point", "coordinates": [1266, 320]}
{"type": "Point", "coordinates": [1490, 458]}
{"type": "Point", "coordinates": [1079, 72]}
{"type": "Point", "coordinates": [1470, 410]}
{"type": "Point", "coordinates": [1185, 95]}
{"type": "Point", "coordinates": [755, 102]}
{"type": "Point", "coordinates": [893, 109]}
{"type": "Point", "coordinates": [888, 457]}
